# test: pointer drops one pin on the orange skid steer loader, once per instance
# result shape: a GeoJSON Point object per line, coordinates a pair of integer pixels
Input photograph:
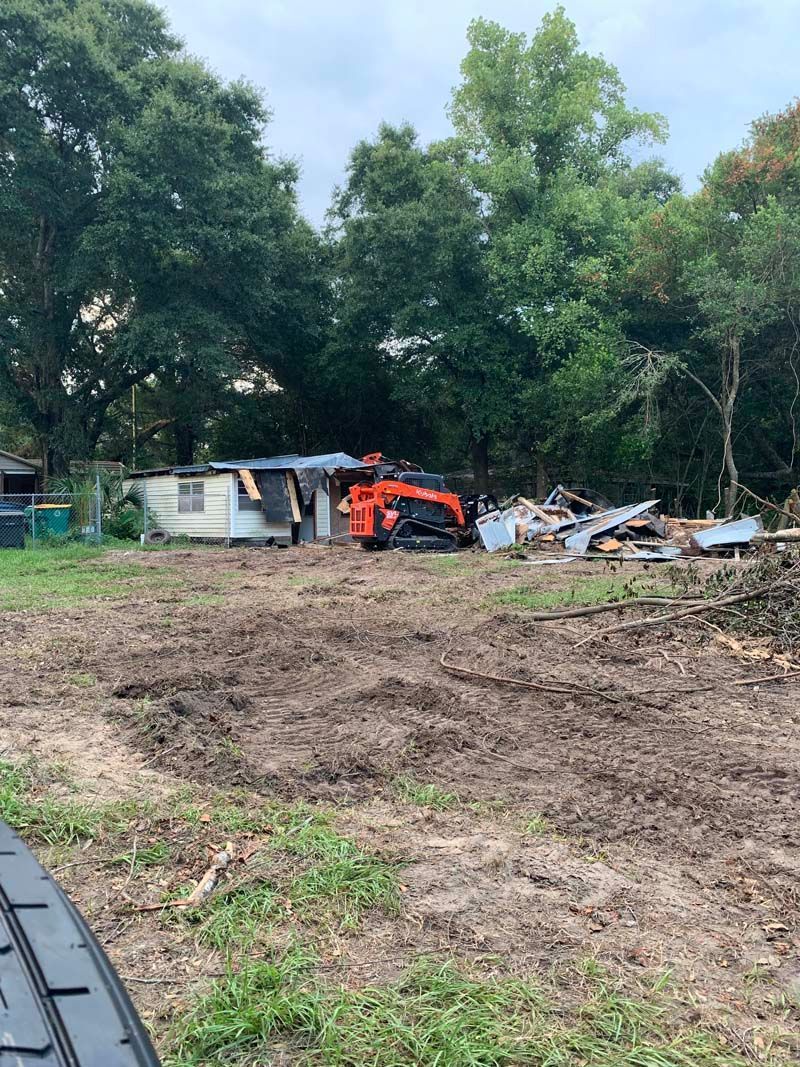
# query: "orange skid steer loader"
{"type": "Point", "coordinates": [414, 510]}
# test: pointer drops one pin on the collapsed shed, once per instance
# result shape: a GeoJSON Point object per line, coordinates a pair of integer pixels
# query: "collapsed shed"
{"type": "Point", "coordinates": [284, 499]}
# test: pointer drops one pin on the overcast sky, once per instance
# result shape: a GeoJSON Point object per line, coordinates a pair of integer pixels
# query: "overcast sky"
{"type": "Point", "coordinates": [332, 70]}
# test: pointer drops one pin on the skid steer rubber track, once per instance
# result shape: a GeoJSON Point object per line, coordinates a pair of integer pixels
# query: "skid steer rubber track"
{"type": "Point", "coordinates": [61, 1002]}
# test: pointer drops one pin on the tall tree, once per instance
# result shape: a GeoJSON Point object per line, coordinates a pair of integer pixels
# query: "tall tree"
{"type": "Point", "coordinates": [547, 131]}
{"type": "Point", "coordinates": [414, 288]}
{"type": "Point", "coordinates": [720, 275]}
{"type": "Point", "coordinates": [142, 227]}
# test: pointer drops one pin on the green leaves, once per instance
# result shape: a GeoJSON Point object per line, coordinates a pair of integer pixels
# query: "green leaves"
{"type": "Point", "coordinates": [144, 234]}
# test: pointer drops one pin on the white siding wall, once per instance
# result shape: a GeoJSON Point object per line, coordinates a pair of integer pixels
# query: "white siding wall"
{"type": "Point", "coordinates": [162, 498]}
{"type": "Point", "coordinates": [221, 517]}
{"type": "Point", "coordinates": [254, 524]}
{"type": "Point", "coordinates": [322, 513]}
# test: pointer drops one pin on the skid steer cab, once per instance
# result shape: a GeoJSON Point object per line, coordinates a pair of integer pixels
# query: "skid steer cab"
{"type": "Point", "coordinates": [414, 510]}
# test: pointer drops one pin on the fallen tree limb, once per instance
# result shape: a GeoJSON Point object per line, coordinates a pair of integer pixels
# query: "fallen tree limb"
{"type": "Point", "coordinates": [780, 536]}
{"type": "Point", "coordinates": [768, 678]}
{"type": "Point", "coordinates": [676, 616]}
{"type": "Point", "coordinates": [768, 504]}
{"type": "Point", "coordinates": [596, 609]}
{"type": "Point", "coordinates": [204, 888]}
{"type": "Point", "coordinates": [574, 687]}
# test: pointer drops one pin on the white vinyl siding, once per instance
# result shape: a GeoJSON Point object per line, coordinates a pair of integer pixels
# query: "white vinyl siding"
{"type": "Point", "coordinates": [322, 513]}
{"type": "Point", "coordinates": [221, 516]}
{"type": "Point", "coordinates": [252, 523]}
{"type": "Point", "coordinates": [162, 505]}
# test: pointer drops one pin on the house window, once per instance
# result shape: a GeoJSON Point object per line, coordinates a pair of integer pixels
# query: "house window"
{"type": "Point", "coordinates": [191, 496]}
{"type": "Point", "coordinates": [244, 503]}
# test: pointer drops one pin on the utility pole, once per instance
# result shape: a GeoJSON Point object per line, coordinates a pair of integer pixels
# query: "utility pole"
{"type": "Point", "coordinates": [133, 426]}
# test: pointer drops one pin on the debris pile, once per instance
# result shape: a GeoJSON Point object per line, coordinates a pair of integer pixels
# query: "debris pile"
{"type": "Point", "coordinates": [583, 523]}
{"type": "Point", "coordinates": [771, 613]}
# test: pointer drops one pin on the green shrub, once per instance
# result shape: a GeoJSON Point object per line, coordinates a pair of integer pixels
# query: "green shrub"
{"type": "Point", "coordinates": [126, 525]}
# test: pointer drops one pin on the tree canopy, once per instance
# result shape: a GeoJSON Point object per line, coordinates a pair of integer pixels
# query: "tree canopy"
{"type": "Point", "coordinates": [144, 232]}
{"type": "Point", "coordinates": [535, 292]}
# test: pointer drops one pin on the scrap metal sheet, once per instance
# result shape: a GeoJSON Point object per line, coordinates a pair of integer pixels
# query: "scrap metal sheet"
{"type": "Point", "coordinates": [494, 532]}
{"type": "Point", "coordinates": [607, 520]}
{"type": "Point", "coordinates": [739, 532]}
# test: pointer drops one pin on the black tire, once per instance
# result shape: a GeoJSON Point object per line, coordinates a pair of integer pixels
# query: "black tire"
{"type": "Point", "coordinates": [157, 537]}
{"type": "Point", "coordinates": [61, 1002]}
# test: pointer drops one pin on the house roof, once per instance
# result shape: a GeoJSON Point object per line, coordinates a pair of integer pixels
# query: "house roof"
{"type": "Point", "coordinates": [330, 461]}
{"type": "Point", "coordinates": [32, 463]}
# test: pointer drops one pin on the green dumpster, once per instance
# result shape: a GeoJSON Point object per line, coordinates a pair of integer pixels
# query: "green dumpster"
{"type": "Point", "coordinates": [49, 519]}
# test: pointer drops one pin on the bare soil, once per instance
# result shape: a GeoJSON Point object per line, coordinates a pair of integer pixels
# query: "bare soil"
{"type": "Point", "coordinates": [653, 824]}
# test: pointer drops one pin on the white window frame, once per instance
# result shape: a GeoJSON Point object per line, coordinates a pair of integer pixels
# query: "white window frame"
{"type": "Point", "coordinates": [191, 498]}
{"type": "Point", "coordinates": [242, 495]}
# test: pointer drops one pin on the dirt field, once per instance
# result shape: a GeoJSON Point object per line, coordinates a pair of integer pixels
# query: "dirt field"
{"type": "Point", "coordinates": [641, 810]}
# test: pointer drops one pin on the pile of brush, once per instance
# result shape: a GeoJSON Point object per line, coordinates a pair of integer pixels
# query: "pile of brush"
{"type": "Point", "coordinates": [771, 611]}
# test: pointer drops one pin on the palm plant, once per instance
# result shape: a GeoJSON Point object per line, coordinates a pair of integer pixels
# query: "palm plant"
{"type": "Point", "coordinates": [118, 503]}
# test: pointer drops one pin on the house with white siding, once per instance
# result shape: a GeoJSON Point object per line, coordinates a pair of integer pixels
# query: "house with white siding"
{"type": "Point", "coordinates": [285, 499]}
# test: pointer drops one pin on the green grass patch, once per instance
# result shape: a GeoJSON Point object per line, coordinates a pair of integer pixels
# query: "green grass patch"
{"type": "Point", "coordinates": [447, 563]}
{"type": "Point", "coordinates": [537, 825]}
{"type": "Point", "coordinates": [57, 577]}
{"type": "Point", "coordinates": [238, 917]}
{"type": "Point", "coordinates": [348, 885]}
{"type": "Point", "coordinates": [205, 600]}
{"type": "Point", "coordinates": [330, 877]}
{"type": "Point", "coordinates": [155, 855]}
{"type": "Point", "coordinates": [342, 879]}
{"type": "Point", "coordinates": [426, 796]}
{"type": "Point", "coordinates": [51, 820]}
{"type": "Point", "coordinates": [581, 592]}
{"type": "Point", "coordinates": [83, 681]}
{"type": "Point", "coordinates": [436, 1015]}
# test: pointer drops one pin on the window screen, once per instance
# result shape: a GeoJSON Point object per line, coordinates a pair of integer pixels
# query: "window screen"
{"type": "Point", "coordinates": [191, 496]}
{"type": "Point", "coordinates": [244, 502]}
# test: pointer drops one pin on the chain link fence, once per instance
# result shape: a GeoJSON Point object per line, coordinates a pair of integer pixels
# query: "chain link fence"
{"type": "Point", "coordinates": [41, 520]}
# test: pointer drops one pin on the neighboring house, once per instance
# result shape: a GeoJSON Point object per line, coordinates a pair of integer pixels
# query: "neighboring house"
{"type": "Point", "coordinates": [288, 498]}
{"type": "Point", "coordinates": [18, 475]}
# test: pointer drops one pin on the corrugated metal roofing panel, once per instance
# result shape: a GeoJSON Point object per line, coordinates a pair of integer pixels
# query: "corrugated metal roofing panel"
{"type": "Point", "coordinates": [328, 461]}
{"type": "Point", "coordinates": [196, 468]}
{"type": "Point", "coordinates": [494, 532]}
{"type": "Point", "coordinates": [579, 541]}
{"type": "Point", "coordinates": [740, 532]}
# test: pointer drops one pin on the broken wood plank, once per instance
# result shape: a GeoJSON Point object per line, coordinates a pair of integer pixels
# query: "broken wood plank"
{"type": "Point", "coordinates": [778, 536]}
{"type": "Point", "coordinates": [611, 545]}
{"type": "Point", "coordinates": [580, 500]}
{"type": "Point", "coordinates": [297, 511]}
{"type": "Point", "coordinates": [249, 483]}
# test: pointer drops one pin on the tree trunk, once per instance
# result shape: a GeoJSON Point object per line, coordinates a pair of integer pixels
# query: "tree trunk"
{"type": "Point", "coordinates": [184, 444]}
{"type": "Point", "coordinates": [542, 478]}
{"type": "Point", "coordinates": [732, 490]}
{"type": "Point", "coordinates": [725, 404]}
{"type": "Point", "coordinates": [46, 382]}
{"type": "Point", "coordinates": [731, 380]}
{"type": "Point", "coordinates": [479, 451]}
